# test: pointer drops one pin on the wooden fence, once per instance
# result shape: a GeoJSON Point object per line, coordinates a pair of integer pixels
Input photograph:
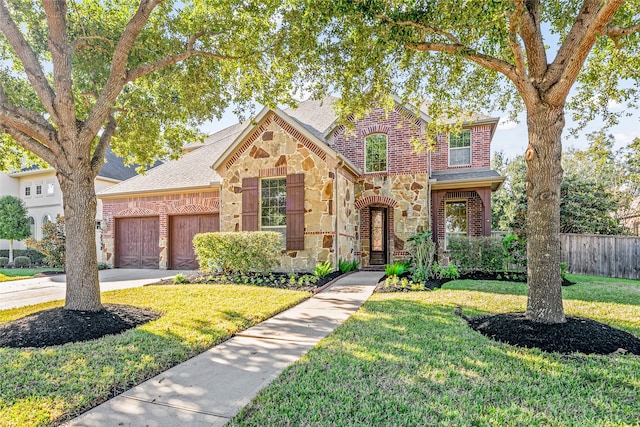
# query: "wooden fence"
{"type": "Point", "coordinates": [597, 255]}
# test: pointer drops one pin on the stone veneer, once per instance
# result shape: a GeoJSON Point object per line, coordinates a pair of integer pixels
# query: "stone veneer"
{"type": "Point", "coordinates": [275, 149]}
{"type": "Point", "coordinates": [162, 206]}
{"type": "Point", "coordinates": [407, 199]}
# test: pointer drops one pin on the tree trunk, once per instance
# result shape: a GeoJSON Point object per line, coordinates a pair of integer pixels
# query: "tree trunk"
{"type": "Point", "coordinates": [544, 176]}
{"type": "Point", "coordinates": [79, 197]}
{"type": "Point", "coordinates": [10, 251]}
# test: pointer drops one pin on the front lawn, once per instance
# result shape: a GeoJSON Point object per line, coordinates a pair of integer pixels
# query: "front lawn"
{"type": "Point", "coordinates": [21, 273]}
{"type": "Point", "coordinates": [407, 359]}
{"type": "Point", "coordinates": [41, 386]}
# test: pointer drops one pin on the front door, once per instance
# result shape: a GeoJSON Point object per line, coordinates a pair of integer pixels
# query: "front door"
{"type": "Point", "coordinates": [378, 236]}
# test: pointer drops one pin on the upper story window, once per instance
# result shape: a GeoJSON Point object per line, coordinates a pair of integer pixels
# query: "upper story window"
{"type": "Point", "coordinates": [460, 148]}
{"type": "Point", "coordinates": [273, 205]}
{"type": "Point", "coordinates": [375, 153]}
{"type": "Point", "coordinates": [38, 190]}
{"type": "Point", "coordinates": [27, 191]}
{"type": "Point", "coordinates": [50, 189]}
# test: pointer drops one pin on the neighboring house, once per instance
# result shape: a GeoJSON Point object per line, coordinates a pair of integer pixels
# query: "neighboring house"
{"type": "Point", "coordinates": [40, 191]}
{"type": "Point", "coordinates": [632, 219]}
{"type": "Point", "coordinates": [333, 193]}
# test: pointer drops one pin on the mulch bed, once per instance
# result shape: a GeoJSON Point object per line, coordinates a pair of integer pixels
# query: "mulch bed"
{"type": "Point", "coordinates": [58, 326]}
{"type": "Point", "coordinates": [576, 335]}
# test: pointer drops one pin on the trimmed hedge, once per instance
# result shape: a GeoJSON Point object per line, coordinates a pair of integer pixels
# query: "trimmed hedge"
{"type": "Point", "coordinates": [36, 257]}
{"type": "Point", "coordinates": [21, 261]}
{"type": "Point", "coordinates": [484, 254]}
{"type": "Point", "coordinates": [238, 252]}
{"type": "Point", "coordinates": [4, 261]}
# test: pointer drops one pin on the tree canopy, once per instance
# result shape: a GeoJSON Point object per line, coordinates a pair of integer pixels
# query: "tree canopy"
{"type": "Point", "coordinates": [14, 223]}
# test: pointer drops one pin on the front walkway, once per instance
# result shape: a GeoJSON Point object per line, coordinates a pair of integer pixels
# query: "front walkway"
{"type": "Point", "coordinates": [211, 388]}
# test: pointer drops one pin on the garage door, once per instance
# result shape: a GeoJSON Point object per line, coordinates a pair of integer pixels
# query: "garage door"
{"type": "Point", "coordinates": [137, 242]}
{"type": "Point", "coordinates": [182, 229]}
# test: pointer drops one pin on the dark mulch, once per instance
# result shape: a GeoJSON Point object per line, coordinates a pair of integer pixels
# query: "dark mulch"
{"type": "Point", "coordinates": [58, 326]}
{"type": "Point", "coordinates": [576, 335]}
{"type": "Point", "coordinates": [505, 277]}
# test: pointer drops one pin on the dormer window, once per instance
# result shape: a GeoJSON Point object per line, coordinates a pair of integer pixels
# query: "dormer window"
{"type": "Point", "coordinates": [376, 153]}
{"type": "Point", "coordinates": [460, 148]}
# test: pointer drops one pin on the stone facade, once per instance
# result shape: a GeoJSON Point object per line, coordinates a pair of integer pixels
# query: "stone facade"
{"type": "Point", "coordinates": [162, 206]}
{"type": "Point", "coordinates": [275, 150]}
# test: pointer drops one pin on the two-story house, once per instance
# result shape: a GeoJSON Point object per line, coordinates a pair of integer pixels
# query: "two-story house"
{"type": "Point", "coordinates": [332, 192]}
{"type": "Point", "coordinates": [40, 191]}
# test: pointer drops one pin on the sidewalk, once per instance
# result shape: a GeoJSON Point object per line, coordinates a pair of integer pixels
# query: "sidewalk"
{"type": "Point", "coordinates": [19, 293]}
{"type": "Point", "coordinates": [211, 388]}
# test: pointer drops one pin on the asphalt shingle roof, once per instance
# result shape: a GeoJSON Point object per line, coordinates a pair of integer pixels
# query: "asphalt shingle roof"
{"type": "Point", "coordinates": [192, 170]}
{"type": "Point", "coordinates": [457, 174]}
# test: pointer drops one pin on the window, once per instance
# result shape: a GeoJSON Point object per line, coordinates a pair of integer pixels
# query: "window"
{"type": "Point", "coordinates": [46, 218]}
{"type": "Point", "coordinates": [460, 148]}
{"type": "Point", "coordinates": [38, 190]}
{"type": "Point", "coordinates": [376, 153]}
{"type": "Point", "coordinates": [32, 226]}
{"type": "Point", "coordinates": [50, 189]}
{"type": "Point", "coordinates": [455, 220]}
{"type": "Point", "coordinates": [273, 206]}
{"type": "Point", "coordinates": [27, 191]}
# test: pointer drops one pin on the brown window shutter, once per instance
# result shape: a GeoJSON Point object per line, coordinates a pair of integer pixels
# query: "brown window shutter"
{"type": "Point", "coordinates": [250, 202]}
{"type": "Point", "coordinates": [295, 212]}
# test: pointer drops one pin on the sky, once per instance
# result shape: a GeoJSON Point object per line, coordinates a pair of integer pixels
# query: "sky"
{"type": "Point", "coordinates": [510, 137]}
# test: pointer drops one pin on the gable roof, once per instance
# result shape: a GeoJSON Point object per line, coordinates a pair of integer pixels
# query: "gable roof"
{"type": "Point", "coordinates": [192, 171]}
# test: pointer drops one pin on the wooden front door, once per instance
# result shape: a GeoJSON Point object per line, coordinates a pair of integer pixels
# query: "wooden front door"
{"type": "Point", "coordinates": [137, 242]}
{"type": "Point", "coordinates": [182, 229]}
{"type": "Point", "coordinates": [378, 236]}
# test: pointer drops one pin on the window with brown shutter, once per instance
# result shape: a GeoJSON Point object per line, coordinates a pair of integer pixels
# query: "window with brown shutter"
{"type": "Point", "coordinates": [250, 204]}
{"type": "Point", "coordinates": [295, 212]}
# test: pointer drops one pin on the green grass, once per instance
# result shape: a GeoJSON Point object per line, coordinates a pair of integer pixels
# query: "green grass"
{"type": "Point", "coordinates": [25, 272]}
{"type": "Point", "coordinates": [406, 359]}
{"type": "Point", "coordinates": [42, 386]}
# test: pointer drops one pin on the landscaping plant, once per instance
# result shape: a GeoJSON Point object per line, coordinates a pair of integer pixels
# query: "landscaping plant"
{"type": "Point", "coordinates": [423, 252]}
{"type": "Point", "coordinates": [52, 244]}
{"type": "Point", "coordinates": [323, 269]}
{"type": "Point", "coordinates": [346, 266]}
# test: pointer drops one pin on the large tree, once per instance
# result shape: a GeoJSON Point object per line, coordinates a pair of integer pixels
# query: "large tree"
{"type": "Point", "coordinates": [137, 75]}
{"type": "Point", "coordinates": [476, 53]}
{"type": "Point", "coordinates": [14, 223]}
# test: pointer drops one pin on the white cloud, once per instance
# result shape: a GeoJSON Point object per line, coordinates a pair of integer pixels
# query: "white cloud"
{"type": "Point", "coordinates": [614, 105]}
{"type": "Point", "coordinates": [624, 138]}
{"type": "Point", "coordinates": [505, 123]}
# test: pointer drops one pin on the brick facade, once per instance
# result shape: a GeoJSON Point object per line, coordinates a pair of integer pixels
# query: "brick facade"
{"type": "Point", "coordinates": [480, 150]}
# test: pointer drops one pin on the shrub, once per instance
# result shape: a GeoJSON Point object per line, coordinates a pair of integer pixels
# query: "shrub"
{"type": "Point", "coordinates": [395, 269]}
{"type": "Point", "coordinates": [346, 266]}
{"type": "Point", "coordinates": [21, 261]}
{"type": "Point", "coordinates": [103, 266]}
{"type": "Point", "coordinates": [448, 272]}
{"type": "Point", "coordinates": [52, 243]}
{"type": "Point", "coordinates": [563, 270]}
{"type": "Point", "coordinates": [4, 261]}
{"type": "Point", "coordinates": [515, 251]}
{"type": "Point", "coordinates": [423, 251]}
{"type": "Point", "coordinates": [239, 251]}
{"type": "Point", "coordinates": [37, 258]}
{"type": "Point", "coordinates": [323, 269]}
{"type": "Point", "coordinates": [484, 254]}
{"type": "Point", "coordinates": [179, 279]}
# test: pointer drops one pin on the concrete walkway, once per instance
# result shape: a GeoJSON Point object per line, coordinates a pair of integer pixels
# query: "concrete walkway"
{"type": "Point", "coordinates": [19, 293]}
{"type": "Point", "coordinates": [211, 388]}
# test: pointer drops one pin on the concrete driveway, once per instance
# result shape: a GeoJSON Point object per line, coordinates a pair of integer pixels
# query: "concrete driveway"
{"type": "Point", "coordinates": [19, 293]}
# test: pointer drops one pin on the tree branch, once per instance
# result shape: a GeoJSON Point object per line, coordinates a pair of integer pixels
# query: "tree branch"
{"type": "Point", "coordinates": [529, 20]}
{"type": "Point", "coordinates": [620, 31]}
{"type": "Point", "coordinates": [564, 70]}
{"type": "Point", "coordinates": [97, 160]}
{"type": "Point", "coordinates": [118, 73]}
{"type": "Point", "coordinates": [170, 60]}
{"type": "Point", "coordinates": [515, 44]}
{"type": "Point", "coordinates": [29, 60]}
{"type": "Point", "coordinates": [449, 36]}
{"type": "Point", "coordinates": [28, 143]}
{"type": "Point", "coordinates": [56, 12]}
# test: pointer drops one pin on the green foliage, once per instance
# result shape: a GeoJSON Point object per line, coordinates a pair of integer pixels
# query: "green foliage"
{"type": "Point", "coordinates": [240, 252]}
{"type": "Point", "coordinates": [449, 272]}
{"type": "Point", "coordinates": [52, 244]}
{"type": "Point", "coordinates": [396, 269]}
{"type": "Point", "coordinates": [515, 252]}
{"type": "Point", "coordinates": [4, 261]}
{"type": "Point", "coordinates": [346, 266]}
{"type": "Point", "coordinates": [484, 254]}
{"type": "Point", "coordinates": [21, 262]}
{"type": "Point", "coordinates": [103, 266]}
{"type": "Point", "coordinates": [323, 269]}
{"type": "Point", "coordinates": [395, 283]}
{"type": "Point", "coordinates": [14, 223]}
{"type": "Point", "coordinates": [563, 270]}
{"type": "Point", "coordinates": [504, 202]}
{"type": "Point", "coordinates": [179, 279]}
{"type": "Point", "coordinates": [423, 251]}
{"type": "Point", "coordinates": [37, 258]}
